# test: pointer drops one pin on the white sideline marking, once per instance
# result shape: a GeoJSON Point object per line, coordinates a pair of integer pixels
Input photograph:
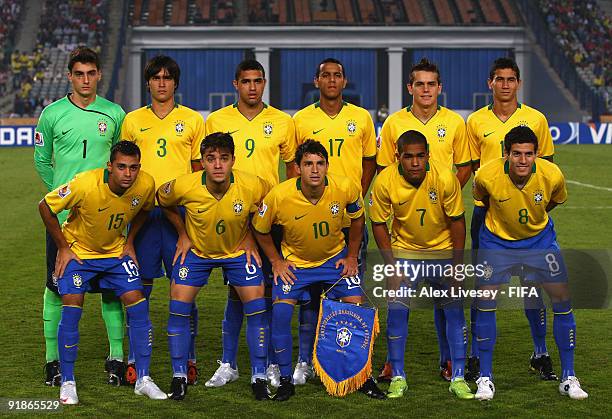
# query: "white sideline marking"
{"type": "Point", "coordinates": [587, 185]}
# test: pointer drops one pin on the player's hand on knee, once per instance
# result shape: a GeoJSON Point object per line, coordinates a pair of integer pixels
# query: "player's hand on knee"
{"type": "Point", "coordinates": [64, 256]}
{"type": "Point", "coordinates": [183, 246]}
{"type": "Point", "coordinates": [282, 269]}
{"type": "Point", "coordinates": [130, 251]}
{"type": "Point", "coordinates": [350, 266]}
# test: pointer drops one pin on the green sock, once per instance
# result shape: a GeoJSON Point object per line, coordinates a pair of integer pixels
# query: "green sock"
{"type": "Point", "coordinates": [52, 313]}
{"type": "Point", "coordinates": [112, 313]}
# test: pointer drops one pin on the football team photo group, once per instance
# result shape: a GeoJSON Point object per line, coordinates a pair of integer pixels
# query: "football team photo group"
{"type": "Point", "coordinates": [286, 207]}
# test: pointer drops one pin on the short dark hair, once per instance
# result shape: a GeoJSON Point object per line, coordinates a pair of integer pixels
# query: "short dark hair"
{"type": "Point", "coordinates": [310, 147]}
{"type": "Point", "coordinates": [424, 65]}
{"type": "Point", "coordinates": [127, 148]}
{"type": "Point", "coordinates": [84, 55]}
{"type": "Point", "coordinates": [217, 141]}
{"type": "Point", "coordinates": [411, 137]}
{"type": "Point", "coordinates": [159, 62]}
{"type": "Point", "coordinates": [333, 61]}
{"type": "Point", "coordinates": [249, 64]}
{"type": "Point", "coordinates": [504, 62]}
{"type": "Point", "coordinates": [520, 135]}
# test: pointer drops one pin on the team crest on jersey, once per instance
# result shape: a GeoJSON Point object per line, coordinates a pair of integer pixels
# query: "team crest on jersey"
{"type": "Point", "coordinates": [433, 195]}
{"type": "Point", "coordinates": [351, 127]}
{"type": "Point", "coordinates": [77, 280]}
{"type": "Point", "coordinates": [441, 131]}
{"type": "Point", "coordinates": [135, 201]}
{"type": "Point", "coordinates": [343, 337]}
{"type": "Point", "coordinates": [64, 191]}
{"type": "Point", "coordinates": [39, 139]}
{"type": "Point", "coordinates": [183, 271]}
{"type": "Point", "coordinates": [179, 127]}
{"type": "Point", "coordinates": [102, 127]}
{"type": "Point", "coordinates": [334, 208]}
{"type": "Point", "coordinates": [538, 197]}
{"type": "Point", "coordinates": [286, 288]}
{"type": "Point", "coordinates": [267, 129]}
{"type": "Point", "coordinates": [238, 206]}
{"type": "Point", "coordinates": [262, 209]}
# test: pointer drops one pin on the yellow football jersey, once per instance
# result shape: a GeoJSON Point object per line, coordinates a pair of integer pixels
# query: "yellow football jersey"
{"type": "Point", "coordinates": [259, 142]}
{"type": "Point", "coordinates": [445, 133]}
{"type": "Point", "coordinates": [348, 137]}
{"type": "Point", "coordinates": [513, 213]}
{"type": "Point", "coordinates": [486, 132]}
{"type": "Point", "coordinates": [312, 233]}
{"type": "Point", "coordinates": [215, 227]}
{"type": "Point", "coordinates": [420, 215]}
{"type": "Point", "coordinates": [167, 145]}
{"type": "Point", "coordinates": [98, 217]}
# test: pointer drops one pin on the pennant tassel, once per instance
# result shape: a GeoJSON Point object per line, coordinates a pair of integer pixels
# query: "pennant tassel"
{"type": "Point", "coordinates": [334, 386]}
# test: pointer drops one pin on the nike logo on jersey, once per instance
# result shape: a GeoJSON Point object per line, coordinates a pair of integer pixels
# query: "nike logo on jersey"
{"type": "Point", "coordinates": [145, 129]}
{"type": "Point", "coordinates": [317, 131]}
{"type": "Point", "coordinates": [301, 216]}
{"type": "Point", "coordinates": [402, 203]}
{"type": "Point", "coordinates": [70, 346]}
{"type": "Point", "coordinates": [132, 278]}
{"type": "Point", "coordinates": [230, 133]}
{"type": "Point", "coordinates": [248, 278]}
{"type": "Point", "coordinates": [102, 209]}
{"type": "Point", "coordinates": [66, 132]}
{"type": "Point", "coordinates": [504, 200]}
{"type": "Point", "coordinates": [278, 352]}
{"type": "Point", "coordinates": [488, 133]}
{"type": "Point", "coordinates": [200, 211]}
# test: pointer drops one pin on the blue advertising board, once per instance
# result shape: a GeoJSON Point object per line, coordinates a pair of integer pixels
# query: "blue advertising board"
{"type": "Point", "coordinates": [572, 133]}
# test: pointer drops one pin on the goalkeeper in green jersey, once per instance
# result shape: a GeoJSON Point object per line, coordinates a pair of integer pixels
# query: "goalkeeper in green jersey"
{"type": "Point", "coordinates": [74, 134]}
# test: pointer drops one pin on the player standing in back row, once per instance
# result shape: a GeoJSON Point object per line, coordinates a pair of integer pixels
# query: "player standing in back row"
{"type": "Point", "coordinates": [347, 132]}
{"type": "Point", "coordinates": [486, 129]}
{"type": "Point", "coordinates": [169, 136]}
{"type": "Point", "coordinates": [74, 134]}
{"type": "Point", "coordinates": [262, 136]}
{"type": "Point", "coordinates": [447, 144]}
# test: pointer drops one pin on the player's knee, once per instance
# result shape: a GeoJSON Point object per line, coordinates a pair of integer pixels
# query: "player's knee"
{"type": "Point", "coordinates": [232, 294]}
{"type": "Point", "coordinates": [130, 298]}
{"type": "Point", "coordinates": [75, 300]}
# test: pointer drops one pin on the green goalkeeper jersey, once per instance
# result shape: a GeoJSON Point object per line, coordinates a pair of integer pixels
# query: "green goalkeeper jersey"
{"type": "Point", "coordinates": [70, 140]}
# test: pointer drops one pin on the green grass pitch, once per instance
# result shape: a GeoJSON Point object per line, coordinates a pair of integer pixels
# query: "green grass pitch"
{"type": "Point", "coordinates": [583, 222]}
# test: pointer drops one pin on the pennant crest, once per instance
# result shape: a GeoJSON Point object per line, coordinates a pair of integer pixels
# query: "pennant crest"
{"type": "Point", "coordinates": [342, 355]}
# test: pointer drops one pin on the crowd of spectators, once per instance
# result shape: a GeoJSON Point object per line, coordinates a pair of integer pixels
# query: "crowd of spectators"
{"type": "Point", "coordinates": [65, 25]}
{"type": "Point", "coordinates": [584, 32]}
{"type": "Point", "coordinates": [10, 11]}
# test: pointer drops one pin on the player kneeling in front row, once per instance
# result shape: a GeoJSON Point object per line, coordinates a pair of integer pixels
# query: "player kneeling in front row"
{"type": "Point", "coordinates": [428, 231]}
{"type": "Point", "coordinates": [218, 203]}
{"type": "Point", "coordinates": [91, 245]}
{"type": "Point", "coordinates": [519, 190]}
{"type": "Point", "coordinates": [310, 209]}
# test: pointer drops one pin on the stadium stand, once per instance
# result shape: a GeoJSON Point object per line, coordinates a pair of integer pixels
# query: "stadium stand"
{"type": "Point", "coordinates": [583, 31]}
{"type": "Point", "coordinates": [322, 12]}
{"type": "Point", "coordinates": [575, 36]}
{"type": "Point", "coordinates": [41, 74]}
{"type": "Point", "coordinates": [10, 11]}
